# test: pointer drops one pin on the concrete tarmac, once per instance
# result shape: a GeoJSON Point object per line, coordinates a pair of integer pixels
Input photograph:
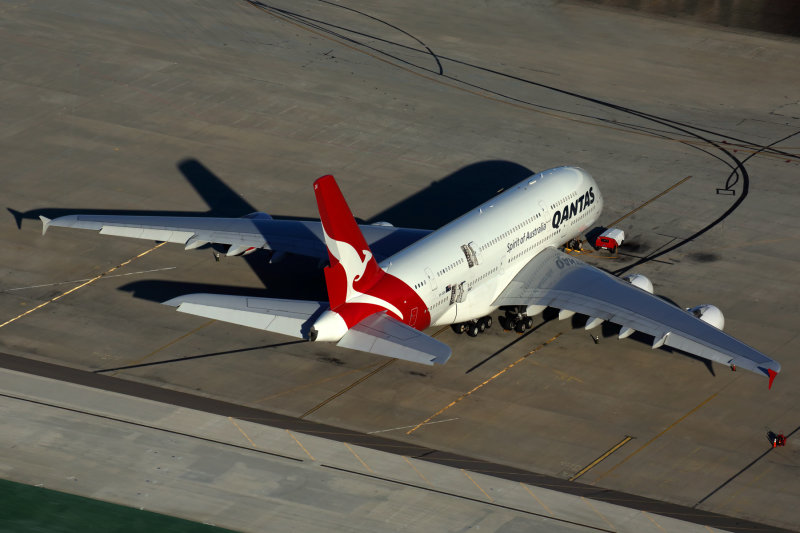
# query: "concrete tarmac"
{"type": "Point", "coordinates": [249, 476]}
{"type": "Point", "coordinates": [421, 111]}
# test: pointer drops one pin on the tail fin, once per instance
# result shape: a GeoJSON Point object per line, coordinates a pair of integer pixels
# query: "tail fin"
{"type": "Point", "coordinates": [353, 268]}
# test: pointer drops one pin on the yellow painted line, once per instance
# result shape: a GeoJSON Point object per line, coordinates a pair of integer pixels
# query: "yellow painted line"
{"type": "Point", "coordinates": [360, 460]}
{"type": "Point", "coordinates": [317, 382]}
{"type": "Point", "coordinates": [476, 484]}
{"type": "Point", "coordinates": [535, 497]}
{"type": "Point", "coordinates": [86, 279]}
{"type": "Point", "coordinates": [417, 471]}
{"type": "Point", "coordinates": [253, 444]}
{"type": "Point", "coordinates": [170, 343]}
{"type": "Point", "coordinates": [601, 515]}
{"type": "Point", "coordinates": [301, 446]}
{"type": "Point", "coordinates": [406, 427]}
{"type": "Point", "coordinates": [594, 463]}
{"type": "Point", "coordinates": [651, 200]}
{"type": "Point", "coordinates": [477, 387]}
{"type": "Point", "coordinates": [653, 520]}
{"type": "Point", "coordinates": [648, 443]}
{"type": "Point", "coordinates": [353, 384]}
{"type": "Point", "coordinates": [440, 331]}
{"type": "Point", "coordinates": [29, 311]}
{"type": "Point", "coordinates": [324, 380]}
{"type": "Point", "coordinates": [563, 376]}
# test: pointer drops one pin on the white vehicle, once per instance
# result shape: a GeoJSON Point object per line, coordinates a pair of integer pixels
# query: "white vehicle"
{"type": "Point", "coordinates": [500, 256]}
{"type": "Point", "coordinates": [610, 239]}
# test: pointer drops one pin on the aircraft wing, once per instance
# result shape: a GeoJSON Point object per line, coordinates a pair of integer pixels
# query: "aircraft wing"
{"type": "Point", "coordinates": [558, 280]}
{"type": "Point", "coordinates": [303, 237]}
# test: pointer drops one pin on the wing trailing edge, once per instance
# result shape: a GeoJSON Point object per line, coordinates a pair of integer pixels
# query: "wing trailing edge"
{"type": "Point", "coordinates": [558, 280]}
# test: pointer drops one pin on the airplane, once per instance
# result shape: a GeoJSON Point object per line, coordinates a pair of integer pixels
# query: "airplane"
{"type": "Point", "coordinates": [386, 285]}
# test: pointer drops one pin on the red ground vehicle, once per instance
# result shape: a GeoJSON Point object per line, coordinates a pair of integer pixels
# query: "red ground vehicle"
{"type": "Point", "coordinates": [610, 239]}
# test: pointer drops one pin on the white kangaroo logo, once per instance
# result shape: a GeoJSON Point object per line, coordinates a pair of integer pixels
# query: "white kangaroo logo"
{"type": "Point", "coordinates": [354, 268]}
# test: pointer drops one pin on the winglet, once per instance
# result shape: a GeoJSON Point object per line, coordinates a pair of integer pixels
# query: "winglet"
{"type": "Point", "coordinates": [772, 375]}
{"type": "Point", "coordinates": [45, 223]}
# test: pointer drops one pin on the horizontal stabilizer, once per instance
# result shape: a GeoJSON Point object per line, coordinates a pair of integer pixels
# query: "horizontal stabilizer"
{"type": "Point", "coordinates": [288, 317]}
{"type": "Point", "coordinates": [383, 335]}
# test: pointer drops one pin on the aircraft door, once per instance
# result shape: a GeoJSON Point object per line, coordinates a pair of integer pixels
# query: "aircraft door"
{"type": "Point", "coordinates": [470, 254]}
{"type": "Point", "coordinates": [431, 279]}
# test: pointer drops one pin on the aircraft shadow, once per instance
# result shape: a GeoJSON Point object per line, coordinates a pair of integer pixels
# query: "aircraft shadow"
{"type": "Point", "coordinates": [454, 195]}
{"type": "Point", "coordinates": [296, 278]}
{"type": "Point", "coordinates": [194, 357]}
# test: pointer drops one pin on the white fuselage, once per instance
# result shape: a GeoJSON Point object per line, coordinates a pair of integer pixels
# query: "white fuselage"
{"type": "Point", "coordinates": [460, 269]}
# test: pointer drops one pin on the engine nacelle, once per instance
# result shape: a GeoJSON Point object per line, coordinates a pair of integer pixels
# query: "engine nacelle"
{"type": "Point", "coordinates": [709, 314]}
{"type": "Point", "coordinates": [641, 281]}
{"type": "Point", "coordinates": [233, 251]}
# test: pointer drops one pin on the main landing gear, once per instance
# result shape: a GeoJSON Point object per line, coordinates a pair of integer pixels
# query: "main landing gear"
{"type": "Point", "coordinates": [473, 327]}
{"type": "Point", "coordinates": [517, 321]}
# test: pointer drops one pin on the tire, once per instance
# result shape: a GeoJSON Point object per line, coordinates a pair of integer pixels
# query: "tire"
{"type": "Point", "coordinates": [488, 321]}
{"type": "Point", "coordinates": [473, 330]}
{"type": "Point", "coordinates": [481, 325]}
{"type": "Point", "coordinates": [520, 327]}
{"type": "Point", "coordinates": [528, 322]}
{"type": "Point", "coordinates": [459, 328]}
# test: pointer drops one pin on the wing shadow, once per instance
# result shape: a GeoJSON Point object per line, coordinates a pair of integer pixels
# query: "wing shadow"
{"type": "Point", "coordinates": [296, 277]}
{"type": "Point", "coordinates": [454, 195]}
{"type": "Point", "coordinates": [222, 201]}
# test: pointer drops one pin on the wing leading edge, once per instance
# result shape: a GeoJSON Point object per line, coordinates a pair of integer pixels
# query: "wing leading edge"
{"type": "Point", "coordinates": [558, 280]}
{"type": "Point", "coordinates": [302, 237]}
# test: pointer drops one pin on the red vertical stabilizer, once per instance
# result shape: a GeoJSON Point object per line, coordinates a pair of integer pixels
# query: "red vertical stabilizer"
{"type": "Point", "coordinates": [353, 269]}
{"type": "Point", "coordinates": [357, 287]}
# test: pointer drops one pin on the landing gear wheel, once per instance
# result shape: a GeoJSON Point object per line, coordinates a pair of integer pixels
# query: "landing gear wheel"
{"type": "Point", "coordinates": [481, 325]}
{"type": "Point", "coordinates": [528, 322]}
{"type": "Point", "coordinates": [459, 328]}
{"type": "Point", "coordinates": [473, 330]}
{"type": "Point", "coordinates": [520, 327]}
{"type": "Point", "coordinates": [487, 322]}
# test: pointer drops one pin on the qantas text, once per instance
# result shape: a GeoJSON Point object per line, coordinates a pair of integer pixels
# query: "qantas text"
{"type": "Point", "coordinates": [574, 208]}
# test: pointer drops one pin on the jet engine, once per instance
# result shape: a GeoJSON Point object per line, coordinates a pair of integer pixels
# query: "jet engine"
{"type": "Point", "coordinates": [641, 281]}
{"type": "Point", "coordinates": [709, 314]}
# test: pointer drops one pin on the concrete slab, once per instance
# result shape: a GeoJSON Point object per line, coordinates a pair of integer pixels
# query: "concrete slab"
{"type": "Point", "coordinates": [251, 477]}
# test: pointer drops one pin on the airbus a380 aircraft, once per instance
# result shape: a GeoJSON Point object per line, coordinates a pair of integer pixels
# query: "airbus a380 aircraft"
{"type": "Point", "coordinates": [386, 284]}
